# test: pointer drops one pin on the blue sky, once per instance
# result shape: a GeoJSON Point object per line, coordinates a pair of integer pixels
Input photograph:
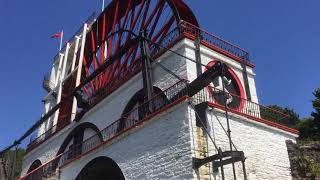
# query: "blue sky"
{"type": "Point", "coordinates": [282, 36]}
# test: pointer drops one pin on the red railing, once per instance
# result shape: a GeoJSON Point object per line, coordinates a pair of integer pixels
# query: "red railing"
{"type": "Point", "coordinates": [34, 142]}
{"type": "Point", "coordinates": [244, 107]}
{"type": "Point", "coordinates": [214, 40]}
{"type": "Point", "coordinates": [94, 97]}
{"type": "Point", "coordinates": [128, 121]}
{"type": "Point", "coordinates": [156, 105]}
{"type": "Point", "coordinates": [189, 30]}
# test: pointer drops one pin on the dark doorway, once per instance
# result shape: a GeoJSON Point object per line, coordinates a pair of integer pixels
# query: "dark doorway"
{"type": "Point", "coordinates": [37, 163]}
{"type": "Point", "coordinates": [101, 168]}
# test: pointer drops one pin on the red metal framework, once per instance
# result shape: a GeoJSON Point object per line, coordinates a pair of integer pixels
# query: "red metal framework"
{"type": "Point", "coordinates": [107, 39]}
{"type": "Point", "coordinates": [251, 110]}
{"type": "Point", "coordinates": [125, 123]}
{"type": "Point", "coordinates": [167, 22]}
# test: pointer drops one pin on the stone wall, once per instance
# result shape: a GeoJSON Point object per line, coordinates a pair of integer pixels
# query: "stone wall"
{"type": "Point", "coordinates": [304, 160]}
{"type": "Point", "coordinates": [264, 147]}
{"type": "Point", "coordinates": [159, 149]}
{"type": "Point", "coordinates": [111, 108]}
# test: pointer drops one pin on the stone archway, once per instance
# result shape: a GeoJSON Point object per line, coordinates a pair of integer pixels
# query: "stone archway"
{"type": "Point", "coordinates": [37, 163]}
{"type": "Point", "coordinates": [101, 168]}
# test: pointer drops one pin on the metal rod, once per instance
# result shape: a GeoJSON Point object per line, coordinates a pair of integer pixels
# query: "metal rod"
{"type": "Point", "coordinates": [198, 54]}
{"type": "Point", "coordinates": [61, 40]}
{"type": "Point", "coordinates": [228, 123]}
{"type": "Point", "coordinates": [146, 66]}
{"type": "Point", "coordinates": [102, 5]}
{"type": "Point", "coordinates": [221, 165]}
{"type": "Point", "coordinates": [244, 169]}
{"type": "Point", "coordinates": [215, 145]}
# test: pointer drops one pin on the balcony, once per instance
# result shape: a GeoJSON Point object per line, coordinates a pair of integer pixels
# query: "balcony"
{"type": "Point", "coordinates": [47, 84]}
{"type": "Point", "coordinates": [125, 123]}
{"type": "Point", "coordinates": [150, 109]}
{"type": "Point", "coordinates": [184, 30]}
{"type": "Point", "coordinates": [243, 107]}
{"type": "Point", "coordinates": [187, 30]}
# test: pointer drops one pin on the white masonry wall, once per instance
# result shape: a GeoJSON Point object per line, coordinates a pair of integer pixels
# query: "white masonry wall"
{"type": "Point", "coordinates": [208, 55]}
{"type": "Point", "coordinates": [111, 108]}
{"type": "Point", "coordinates": [159, 149]}
{"type": "Point", "coordinates": [162, 149]}
{"type": "Point", "coordinates": [264, 146]}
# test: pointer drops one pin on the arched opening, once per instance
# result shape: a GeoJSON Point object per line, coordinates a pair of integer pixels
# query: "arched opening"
{"type": "Point", "coordinates": [74, 144]}
{"type": "Point", "coordinates": [233, 88]}
{"type": "Point", "coordinates": [37, 163]}
{"type": "Point", "coordinates": [137, 107]}
{"type": "Point", "coordinates": [101, 168]}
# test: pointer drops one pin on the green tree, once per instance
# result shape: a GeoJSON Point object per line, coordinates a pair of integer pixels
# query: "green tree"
{"type": "Point", "coordinates": [316, 114]}
{"type": "Point", "coordinates": [6, 163]}
{"type": "Point", "coordinates": [310, 127]}
{"type": "Point", "coordinates": [291, 120]}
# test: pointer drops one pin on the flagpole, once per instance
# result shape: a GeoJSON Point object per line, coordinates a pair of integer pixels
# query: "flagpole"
{"type": "Point", "coordinates": [102, 5]}
{"type": "Point", "coordinates": [61, 39]}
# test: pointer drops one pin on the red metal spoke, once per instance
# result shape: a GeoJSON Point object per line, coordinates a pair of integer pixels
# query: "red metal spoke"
{"type": "Point", "coordinates": [129, 36]}
{"type": "Point", "coordinates": [112, 29]}
{"type": "Point", "coordinates": [132, 15]}
{"type": "Point", "coordinates": [136, 17]}
{"type": "Point", "coordinates": [103, 36]}
{"type": "Point", "coordinates": [126, 14]}
{"type": "Point", "coordinates": [125, 62]}
{"type": "Point", "coordinates": [110, 39]}
{"type": "Point", "coordinates": [94, 56]}
{"type": "Point", "coordinates": [102, 46]}
{"type": "Point", "coordinates": [85, 89]}
{"type": "Point", "coordinates": [145, 14]}
{"type": "Point", "coordinates": [87, 72]}
{"type": "Point", "coordinates": [153, 27]}
{"type": "Point", "coordinates": [164, 29]}
{"type": "Point", "coordinates": [155, 10]}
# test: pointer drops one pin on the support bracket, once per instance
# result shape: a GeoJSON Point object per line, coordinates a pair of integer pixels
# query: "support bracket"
{"type": "Point", "coordinates": [227, 157]}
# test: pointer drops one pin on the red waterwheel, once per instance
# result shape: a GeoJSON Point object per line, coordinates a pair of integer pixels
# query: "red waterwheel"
{"type": "Point", "coordinates": [106, 40]}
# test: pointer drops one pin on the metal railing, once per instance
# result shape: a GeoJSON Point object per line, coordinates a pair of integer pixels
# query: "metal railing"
{"type": "Point", "coordinates": [93, 93]}
{"type": "Point", "coordinates": [149, 109]}
{"type": "Point", "coordinates": [45, 171]}
{"type": "Point", "coordinates": [47, 84]}
{"type": "Point", "coordinates": [205, 36]}
{"type": "Point", "coordinates": [128, 121]}
{"type": "Point", "coordinates": [241, 106]}
{"type": "Point", "coordinates": [99, 92]}
{"type": "Point", "coordinates": [38, 139]}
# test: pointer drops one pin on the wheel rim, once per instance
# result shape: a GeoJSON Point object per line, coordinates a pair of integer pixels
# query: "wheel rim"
{"type": "Point", "coordinates": [106, 38]}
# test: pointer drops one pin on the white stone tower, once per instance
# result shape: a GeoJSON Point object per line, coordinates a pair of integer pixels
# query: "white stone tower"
{"type": "Point", "coordinates": [141, 92]}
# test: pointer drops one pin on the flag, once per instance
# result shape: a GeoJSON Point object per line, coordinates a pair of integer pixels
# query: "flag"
{"type": "Point", "coordinates": [57, 35]}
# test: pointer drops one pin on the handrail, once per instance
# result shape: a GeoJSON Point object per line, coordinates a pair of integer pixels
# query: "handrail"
{"type": "Point", "coordinates": [215, 36]}
{"type": "Point", "coordinates": [118, 127]}
{"type": "Point", "coordinates": [34, 142]}
{"type": "Point", "coordinates": [243, 99]}
{"type": "Point", "coordinates": [137, 116]}
{"type": "Point", "coordinates": [245, 107]}
{"type": "Point", "coordinates": [214, 40]}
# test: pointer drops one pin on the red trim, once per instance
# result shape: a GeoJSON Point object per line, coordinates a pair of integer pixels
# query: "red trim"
{"type": "Point", "coordinates": [269, 123]}
{"type": "Point", "coordinates": [22, 177]}
{"type": "Point", "coordinates": [233, 74]}
{"type": "Point", "coordinates": [147, 118]}
{"type": "Point", "coordinates": [34, 145]}
{"type": "Point", "coordinates": [219, 50]}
